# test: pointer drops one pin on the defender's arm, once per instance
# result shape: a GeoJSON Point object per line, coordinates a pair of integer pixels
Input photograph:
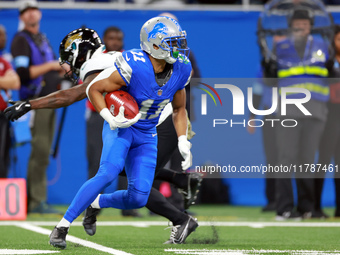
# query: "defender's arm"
{"type": "Point", "coordinates": [54, 100]}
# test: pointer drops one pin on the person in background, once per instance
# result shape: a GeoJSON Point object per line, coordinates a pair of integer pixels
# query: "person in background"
{"type": "Point", "coordinates": [330, 141]}
{"type": "Point", "coordinates": [263, 97]}
{"type": "Point", "coordinates": [3, 41]}
{"type": "Point", "coordinates": [9, 79]}
{"type": "Point", "coordinates": [37, 68]}
{"type": "Point", "coordinates": [301, 63]}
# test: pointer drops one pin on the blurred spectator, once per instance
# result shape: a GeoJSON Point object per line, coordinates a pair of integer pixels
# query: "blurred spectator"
{"type": "Point", "coordinates": [3, 41]}
{"type": "Point", "coordinates": [9, 79]}
{"type": "Point", "coordinates": [38, 71]}
{"type": "Point", "coordinates": [113, 39]}
{"type": "Point", "coordinates": [330, 140]}
{"type": "Point", "coordinates": [262, 97]}
{"type": "Point", "coordinates": [297, 145]}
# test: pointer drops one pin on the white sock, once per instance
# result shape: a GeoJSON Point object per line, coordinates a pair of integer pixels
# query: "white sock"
{"type": "Point", "coordinates": [64, 223]}
{"type": "Point", "coordinates": [95, 203]}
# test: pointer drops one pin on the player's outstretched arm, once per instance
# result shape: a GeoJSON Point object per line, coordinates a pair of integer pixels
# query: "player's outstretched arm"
{"type": "Point", "coordinates": [180, 122]}
{"type": "Point", "coordinates": [54, 100]}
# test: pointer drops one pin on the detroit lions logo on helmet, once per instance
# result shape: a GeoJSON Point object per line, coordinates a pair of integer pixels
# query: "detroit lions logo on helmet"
{"type": "Point", "coordinates": [158, 28]}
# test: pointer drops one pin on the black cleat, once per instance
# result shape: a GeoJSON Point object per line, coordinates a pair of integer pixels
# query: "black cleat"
{"type": "Point", "coordinates": [89, 220]}
{"type": "Point", "coordinates": [288, 216]}
{"type": "Point", "coordinates": [58, 237]}
{"type": "Point", "coordinates": [315, 215]}
{"type": "Point", "coordinates": [180, 232]}
{"type": "Point", "coordinates": [190, 193]}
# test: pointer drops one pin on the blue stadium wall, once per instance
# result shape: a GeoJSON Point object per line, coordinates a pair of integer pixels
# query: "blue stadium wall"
{"type": "Point", "coordinates": [224, 44]}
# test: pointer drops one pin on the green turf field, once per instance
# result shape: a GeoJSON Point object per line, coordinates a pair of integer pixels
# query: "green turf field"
{"type": "Point", "coordinates": [237, 230]}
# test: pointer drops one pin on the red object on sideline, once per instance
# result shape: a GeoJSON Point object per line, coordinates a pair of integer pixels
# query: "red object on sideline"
{"type": "Point", "coordinates": [13, 199]}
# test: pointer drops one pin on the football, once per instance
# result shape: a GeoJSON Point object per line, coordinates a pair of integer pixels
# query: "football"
{"type": "Point", "coordinates": [114, 100]}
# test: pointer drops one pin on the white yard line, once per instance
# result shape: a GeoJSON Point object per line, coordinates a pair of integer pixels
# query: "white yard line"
{"type": "Point", "coordinates": [244, 252]}
{"type": "Point", "coordinates": [254, 224]}
{"type": "Point", "coordinates": [72, 239]}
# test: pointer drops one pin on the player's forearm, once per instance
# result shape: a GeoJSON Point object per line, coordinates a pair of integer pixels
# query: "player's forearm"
{"type": "Point", "coordinates": [180, 121]}
{"type": "Point", "coordinates": [107, 81]}
{"type": "Point", "coordinates": [60, 98]}
{"type": "Point", "coordinates": [96, 98]}
{"type": "Point", "coordinates": [10, 80]}
{"type": "Point", "coordinates": [38, 70]}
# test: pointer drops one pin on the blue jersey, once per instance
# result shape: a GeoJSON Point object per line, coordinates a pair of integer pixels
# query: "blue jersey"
{"type": "Point", "coordinates": [137, 71]}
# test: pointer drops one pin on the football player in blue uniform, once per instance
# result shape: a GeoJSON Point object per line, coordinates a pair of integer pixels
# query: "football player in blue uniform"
{"type": "Point", "coordinates": [137, 143]}
{"type": "Point", "coordinates": [154, 76]}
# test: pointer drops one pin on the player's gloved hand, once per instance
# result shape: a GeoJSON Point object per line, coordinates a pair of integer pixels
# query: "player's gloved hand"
{"type": "Point", "coordinates": [118, 121]}
{"type": "Point", "coordinates": [184, 148]}
{"type": "Point", "coordinates": [17, 109]}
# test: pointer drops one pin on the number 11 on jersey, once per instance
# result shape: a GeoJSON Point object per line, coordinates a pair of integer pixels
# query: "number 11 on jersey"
{"type": "Point", "coordinates": [149, 103]}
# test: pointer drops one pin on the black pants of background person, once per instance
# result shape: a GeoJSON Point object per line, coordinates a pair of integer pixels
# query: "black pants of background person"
{"type": "Point", "coordinates": [329, 148]}
{"type": "Point", "coordinates": [270, 148]}
{"type": "Point", "coordinates": [297, 146]}
{"type": "Point", "coordinates": [5, 143]}
{"type": "Point", "coordinates": [94, 143]}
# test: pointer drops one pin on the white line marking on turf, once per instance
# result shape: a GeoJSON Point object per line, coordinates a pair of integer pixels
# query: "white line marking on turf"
{"type": "Point", "coordinates": [72, 239]}
{"type": "Point", "coordinates": [12, 251]}
{"type": "Point", "coordinates": [201, 223]}
{"type": "Point", "coordinates": [244, 252]}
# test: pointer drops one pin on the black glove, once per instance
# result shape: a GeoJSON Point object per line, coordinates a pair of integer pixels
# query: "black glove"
{"type": "Point", "coordinates": [17, 109]}
{"type": "Point", "coordinates": [269, 68]}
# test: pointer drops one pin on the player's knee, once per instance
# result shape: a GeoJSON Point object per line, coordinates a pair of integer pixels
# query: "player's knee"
{"type": "Point", "coordinates": [138, 200]}
{"type": "Point", "coordinates": [139, 193]}
{"type": "Point", "coordinates": [109, 171]}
